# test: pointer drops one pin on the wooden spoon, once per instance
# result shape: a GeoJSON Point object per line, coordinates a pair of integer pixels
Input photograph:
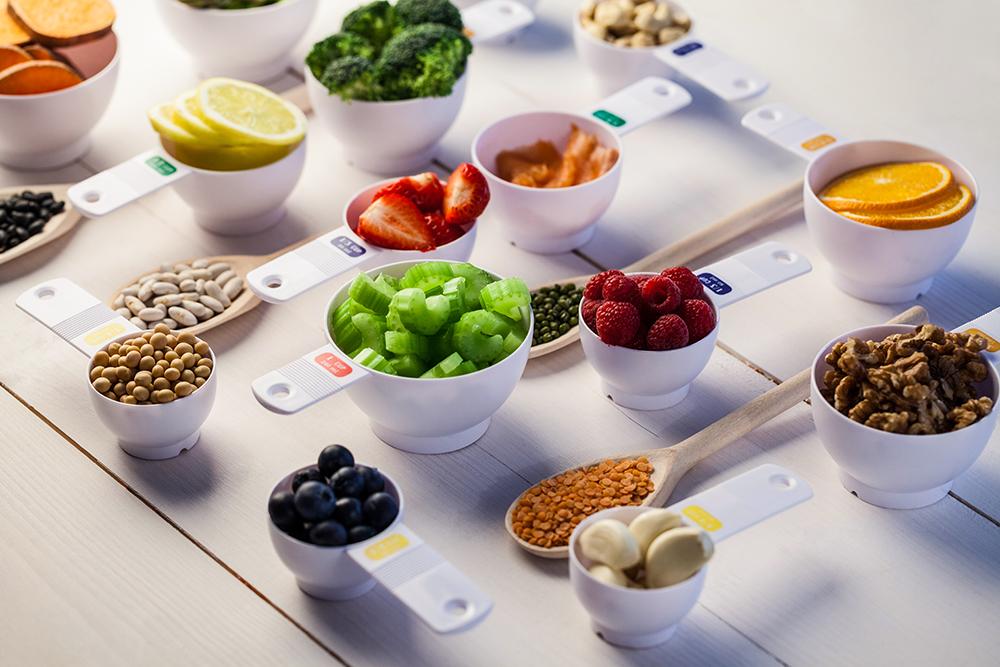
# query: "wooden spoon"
{"type": "Point", "coordinates": [245, 300]}
{"type": "Point", "coordinates": [58, 225]}
{"type": "Point", "coordinates": [783, 202]}
{"type": "Point", "coordinates": [670, 464]}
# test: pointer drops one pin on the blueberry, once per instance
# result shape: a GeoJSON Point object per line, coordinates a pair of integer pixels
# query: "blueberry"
{"type": "Point", "coordinates": [380, 509]}
{"type": "Point", "coordinates": [310, 474]}
{"type": "Point", "coordinates": [359, 533]}
{"type": "Point", "coordinates": [328, 534]}
{"type": "Point", "coordinates": [314, 501]}
{"type": "Point", "coordinates": [333, 458]}
{"type": "Point", "coordinates": [348, 512]}
{"type": "Point", "coordinates": [281, 508]}
{"type": "Point", "coordinates": [374, 481]}
{"type": "Point", "coordinates": [348, 482]}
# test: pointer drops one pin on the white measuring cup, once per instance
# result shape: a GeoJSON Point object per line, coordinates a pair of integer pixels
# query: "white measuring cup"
{"type": "Point", "coordinates": [645, 617]}
{"type": "Point", "coordinates": [410, 569]}
{"type": "Point", "coordinates": [657, 379]}
{"type": "Point", "coordinates": [287, 276]}
{"type": "Point", "coordinates": [555, 220]}
{"type": "Point", "coordinates": [231, 203]}
{"type": "Point", "coordinates": [419, 415]}
{"type": "Point", "coordinates": [401, 136]}
{"type": "Point", "coordinates": [896, 470]}
{"type": "Point", "coordinates": [616, 66]}
{"type": "Point", "coordinates": [871, 263]}
{"type": "Point", "coordinates": [158, 431]}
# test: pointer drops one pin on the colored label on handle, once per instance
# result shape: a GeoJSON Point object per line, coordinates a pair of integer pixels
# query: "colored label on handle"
{"type": "Point", "coordinates": [123, 184]}
{"type": "Point", "coordinates": [751, 271]}
{"type": "Point", "coordinates": [307, 380]}
{"type": "Point", "coordinates": [492, 20]}
{"type": "Point", "coordinates": [434, 589]}
{"type": "Point", "coordinates": [642, 102]}
{"type": "Point", "coordinates": [784, 126]}
{"type": "Point", "coordinates": [722, 75]}
{"type": "Point", "coordinates": [987, 327]}
{"type": "Point", "coordinates": [744, 500]}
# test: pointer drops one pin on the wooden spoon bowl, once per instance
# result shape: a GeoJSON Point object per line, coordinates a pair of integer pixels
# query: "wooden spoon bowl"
{"type": "Point", "coordinates": [58, 225]}
{"type": "Point", "coordinates": [670, 464]}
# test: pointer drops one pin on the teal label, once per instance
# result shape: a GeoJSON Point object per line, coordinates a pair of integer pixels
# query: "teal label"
{"type": "Point", "coordinates": [161, 166]}
{"type": "Point", "coordinates": [609, 118]}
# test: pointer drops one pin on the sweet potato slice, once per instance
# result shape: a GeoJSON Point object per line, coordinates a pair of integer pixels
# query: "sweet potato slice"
{"type": "Point", "coordinates": [12, 55]}
{"type": "Point", "coordinates": [63, 22]}
{"type": "Point", "coordinates": [37, 76]}
{"type": "Point", "coordinates": [39, 52]}
{"type": "Point", "coordinates": [11, 31]}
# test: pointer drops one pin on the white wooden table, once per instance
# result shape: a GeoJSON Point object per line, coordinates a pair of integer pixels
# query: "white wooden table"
{"type": "Point", "coordinates": [107, 559]}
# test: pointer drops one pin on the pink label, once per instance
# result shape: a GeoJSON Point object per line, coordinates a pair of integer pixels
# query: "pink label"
{"type": "Point", "coordinates": [336, 366]}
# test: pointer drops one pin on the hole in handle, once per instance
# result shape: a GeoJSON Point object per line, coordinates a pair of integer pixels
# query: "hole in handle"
{"type": "Point", "coordinates": [92, 196]}
{"type": "Point", "coordinates": [741, 83]}
{"type": "Point", "coordinates": [769, 114]}
{"type": "Point", "coordinates": [662, 90]}
{"type": "Point", "coordinates": [272, 282]}
{"type": "Point", "coordinates": [279, 391]}
{"type": "Point", "coordinates": [45, 293]}
{"type": "Point", "coordinates": [458, 607]}
{"type": "Point", "coordinates": [783, 257]}
{"type": "Point", "coordinates": [783, 482]}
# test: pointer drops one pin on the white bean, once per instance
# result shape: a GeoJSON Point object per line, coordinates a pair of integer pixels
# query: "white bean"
{"type": "Point", "coordinates": [119, 301]}
{"type": "Point", "coordinates": [213, 290]}
{"type": "Point", "coordinates": [169, 277]}
{"type": "Point", "coordinates": [200, 311]}
{"type": "Point", "coordinates": [134, 304]}
{"type": "Point", "coordinates": [182, 316]}
{"type": "Point", "coordinates": [160, 288]}
{"type": "Point", "coordinates": [233, 287]}
{"type": "Point", "coordinates": [131, 290]}
{"type": "Point", "coordinates": [137, 322]}
{"type": "Point", "coordinates": [204, 274]}
{"type": "Point", "coordinates": [225, 277]}
{"type": "Point", "coordinates": [199, 263]}
{"type": "Point", "coordinates": [199, 286]}
{"type": "Point", "coordinates": [152, 314]}
{"type": "Point", "coordinates": [217, 268]}
{"type": "Point", "coordinates": [188, 285]}
{"type": "Point", "coordinates": [169, 322]}
{"type": "Point", "coordinates": [124, 312]}
{"type": "Point", "coordinates": [146, 291]}
{"type": "Point", "coordinates": [212, 303]}
{"type": "Point", "coordinates": [168, 300]}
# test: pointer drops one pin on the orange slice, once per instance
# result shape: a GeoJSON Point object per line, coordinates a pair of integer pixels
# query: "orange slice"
{"type": "Point", "coordinates": [945, 211]}
{"type": "Point", "coordinates": [11, 31]}
{"type": "Point", "coordinates": [892, 185]}
{"type": "Point", "coordinates": [12, 55]}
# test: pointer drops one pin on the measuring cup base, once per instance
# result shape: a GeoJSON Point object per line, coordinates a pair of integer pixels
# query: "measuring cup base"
{"type": "Point", "coordinates": [553, 246]}
{"type": "Point", "coordinates": [335, 592]}
{"type": "Point", "coordinates": [888, 294]}
{"type": "Point", "coordinates": [430, 444]}
{"type": "Point", "coordinates": [626, 640]}
{"type": "Point", "coordinates": [892, 499]}
{"type": "Point", "coordinates": [35, 160]}
{"type": "Point", "coordinates": [242, 226]}
{"type": "Point", "coordinates": [159, 452]}
{"type": "Point", "coordinates": [644, 401]}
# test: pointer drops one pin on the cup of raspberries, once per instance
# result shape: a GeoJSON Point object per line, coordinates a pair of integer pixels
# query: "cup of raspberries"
{"type": "Point", "coordinates": [648, 335]}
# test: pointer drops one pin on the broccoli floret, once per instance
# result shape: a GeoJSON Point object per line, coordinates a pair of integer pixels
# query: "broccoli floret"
{"type": "Point", "coordinates": [352, 78]}
{"type": "Point", "coordinates": [337, 46]}
{"type": "Point", "coordinates": [422, 61]}
{"type": "Point", "coordinates": [415, 12]}
{"type": "Point", "coordinates": [376, 22]}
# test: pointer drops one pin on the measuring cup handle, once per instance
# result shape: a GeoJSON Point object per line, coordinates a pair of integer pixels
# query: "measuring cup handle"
{"type": "Point", "coordinates": [724, 76]}
{"type": "Point", "coordinates": [639, 103]}
{"type": "Point", "coordinates": [123, 184]}
{"type": "Point", "coordinates": [74, 314]}
{"type": "Point", "coordinates": [744, 500]}
{"type": "Point", "coordinates": [419, 577]}
{"type": "Point", "coordinates": [782, 125]}
{"type": "Point", "coordinates": [751, 271]}
{"type": "Point", "coordinates": [492, 20]}
{"type": "Point", "coordinates": [307, 380]}
{"type": "Point", "coordinates": [287, 276]}
{"type": "Point", "coordinates": [987, 327]}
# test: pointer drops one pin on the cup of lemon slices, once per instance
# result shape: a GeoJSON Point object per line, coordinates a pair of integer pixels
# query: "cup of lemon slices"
{"type": "Point", "coordinates": [888, 215]}
{"type": "Point", "coordinates": [245, 146]}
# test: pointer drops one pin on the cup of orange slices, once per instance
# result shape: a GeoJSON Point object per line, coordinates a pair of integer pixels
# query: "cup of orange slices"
{"type": "Point", "coordinates": [888, 216]}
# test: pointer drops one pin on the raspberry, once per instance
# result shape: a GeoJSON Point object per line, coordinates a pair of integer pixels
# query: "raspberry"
{"type": "Point", "coordinates": [620, 288]}
{"type": "Point", "coordinates": [617, 323]}
{"type": "Point", "coordinates": [686, 281]}
{"type": "Point", "coordinates": [640, 281]}
{"type": "Point", "coordinates": [589, 309]}
{"type": "Point", "coordinates": [699, 318]}
{"type": "Point", "coordinates": [662, 294]}
{"type": "Point", "coordinates": [667, 333]}
{"type": "Point", "coordinates": [596, 284]}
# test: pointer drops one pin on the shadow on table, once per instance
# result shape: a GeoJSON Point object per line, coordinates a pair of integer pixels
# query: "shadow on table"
{"type": "Point", "coordinates": [185, 480]}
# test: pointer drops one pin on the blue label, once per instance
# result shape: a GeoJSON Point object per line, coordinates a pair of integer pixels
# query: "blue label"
{"type": "Point", "coordinates": [347, 246]}
{"type": "Point", "coordinates": [715, 283]}
{"type": "Point", "coordinates": [685, 49]}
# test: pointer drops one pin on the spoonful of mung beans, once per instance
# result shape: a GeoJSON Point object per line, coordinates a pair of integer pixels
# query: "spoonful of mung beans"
{"type": "Point", "coordinates": [556, 309]}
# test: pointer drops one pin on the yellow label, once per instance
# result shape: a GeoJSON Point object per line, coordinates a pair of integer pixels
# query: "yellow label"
{"type": "Point", "coordinates": [104, 333]}
{"type": "Point", "coordinates": [992, 345]}
{"type": "Point", "coordinates": [701, 517]}
{"type": "Point", "coordinates": [818, 142]}
{"type": "Point", "coordinates": [387, 547]}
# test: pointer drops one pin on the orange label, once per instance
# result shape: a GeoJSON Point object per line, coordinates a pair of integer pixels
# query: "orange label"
{"type": "Point", "coordinates": [818, 142]}
{"type": "Point", "coordinates": [334, 364]}
{"type": "Point", "coordinates": [702, 517]}
{"type": "Point", "coordinates": [387, 547]}
{"type": "Point", "coordinates": [992, 344]}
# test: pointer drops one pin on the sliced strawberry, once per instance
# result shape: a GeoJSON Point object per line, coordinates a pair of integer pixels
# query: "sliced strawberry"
{"type": "Point", "coordinates": [466, 195]}
{"type": "Point", "coordinates": [441, 230]}
{"type": "Point", "coordinates": [393, 221]}
{"type": "Point", "coordinates": [401, 186]}
{"type": "Point", "coordinates": [424, 190]}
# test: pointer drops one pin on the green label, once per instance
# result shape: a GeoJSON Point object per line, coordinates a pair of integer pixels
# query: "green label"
{"type": "Point", "coordinates": [161, 166]}
{"type": "Point", "coordinates": [609, 118]}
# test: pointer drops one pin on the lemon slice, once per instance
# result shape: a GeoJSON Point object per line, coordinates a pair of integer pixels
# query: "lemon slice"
{"type": "Point", "coordinates": [229, 158]}
{"type": "Point", "coordinates": [162, 118]}
{"type": "Point", "coordinates": [188, 116]}
{"type": "Point", "coordinates": [945, 211]}
{"type": "Point", "coordinates": [888, 186]}
{"type": "Point", "coordinates": [246, 113]}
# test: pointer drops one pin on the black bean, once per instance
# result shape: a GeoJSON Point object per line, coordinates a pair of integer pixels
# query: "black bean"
{"type": "Point", "coordinates": [36, 227]}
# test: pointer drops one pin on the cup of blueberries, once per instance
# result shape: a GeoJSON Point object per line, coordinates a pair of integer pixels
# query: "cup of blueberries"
{"type": "Point", "coordinates": [320, 511]}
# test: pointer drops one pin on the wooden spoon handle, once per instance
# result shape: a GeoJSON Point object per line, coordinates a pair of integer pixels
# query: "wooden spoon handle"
{"type": "Point", "coordinates": [781, 203]}
{"type": "Point", "coordinates": [765, 407]}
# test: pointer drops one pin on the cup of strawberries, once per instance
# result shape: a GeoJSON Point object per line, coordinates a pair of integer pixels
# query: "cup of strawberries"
{"type": "Point", "coordinates": [648, 335]}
